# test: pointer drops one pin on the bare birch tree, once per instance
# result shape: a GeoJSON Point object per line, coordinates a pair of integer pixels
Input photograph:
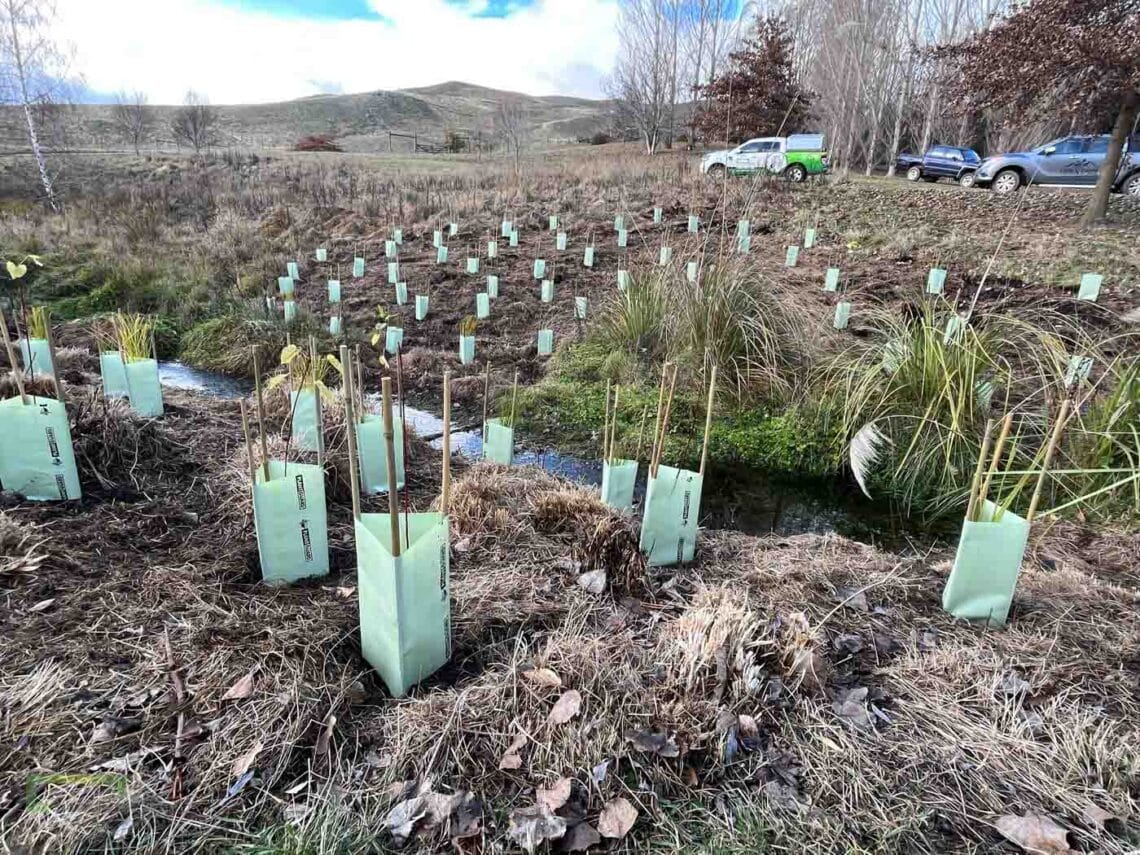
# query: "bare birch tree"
{"type": "Point", "coordinates": [512, 127]}
{"type": "Point", "coordinates": [195, 122]}
{"type": "Point", "coordinates": [642, 78]}
{"type": "Point", "coordinates": [132, 118]}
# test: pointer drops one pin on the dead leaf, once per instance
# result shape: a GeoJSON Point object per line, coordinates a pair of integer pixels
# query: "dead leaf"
{"type": "Point", "coordinates": [243, 688]}
{"type": "Point", "coordinates": [532, 826]}
{"type": "Point", "coordinates": [42, 605]}
{"type": "Point", "coordinates": [123, 829]}
{"type": "Point", "coordinates": [346, 593]}
{"type": "Point", "coordinates": [851, 707]}
{"type": "Point", "coordinates": [468, 818]}
{"type": "Point", "coordinates": [1098, 817]}
{"type": "Point", "coordinates": [1034, 833]}
{"type": "Point", "coordinates": [243, 763]}
{"type": "Point", "coordinates": [438, 807]}
{"type": "Point", "coordinates": [554, 796]}
{"type": "Point", "coordinates": [1011, 685]}
{"type": "Point", "coordinates": [852, 598]}
{"type": "Point", "coordinates": [579, 838]}
{"type": "Point", "coordinates": [402, 818]}
{"type": "Point", "coordinates": [599, 772]}
{"type": "Point", "coordinates": [543, 677]}
{"type": "Point", "coordinates": [511, 759]}
{"type": "Point", "coordinates": [594, 581]}
{"type": "Point", "coordinates": [325, 738]}
{"type": "Point", "coordinates": [565, 708]}
{"type": "Point", "coordinates": [618, 817]}
{"type": "Point", "coordinates": [113, 727]}
{"type": "Point", "coordinates": [660, 744]}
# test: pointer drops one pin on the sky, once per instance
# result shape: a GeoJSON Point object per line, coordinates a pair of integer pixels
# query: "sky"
{"type": "Point", "coordinates": [252, 51]}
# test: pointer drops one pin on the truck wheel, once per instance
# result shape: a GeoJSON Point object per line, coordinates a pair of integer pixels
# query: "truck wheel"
{"type": "Point", "coordinates": [966, 180]}
{"type": "Point", "coordinates": [715, 171]}
{"type": "Point", "coordinates": [1131, 185]}
{"type": "Point", "coordinates": [1007, 181]}
{"type": "Point", "coordinates": [914, 173]}
{"type": "Point", "coordinates": [796, 173]}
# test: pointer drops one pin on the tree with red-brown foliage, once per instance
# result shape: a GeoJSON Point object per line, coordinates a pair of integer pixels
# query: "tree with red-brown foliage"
{"type": "Point", "coordinates": [316, 142]}
{"type": "Point", "coordinates": [1077, 59]}
{"type": "Point", "coordinates": [758, 94]}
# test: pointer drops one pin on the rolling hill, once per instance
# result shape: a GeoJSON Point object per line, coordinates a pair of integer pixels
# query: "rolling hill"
{"type": "Point", "coordinates": [359, 122]}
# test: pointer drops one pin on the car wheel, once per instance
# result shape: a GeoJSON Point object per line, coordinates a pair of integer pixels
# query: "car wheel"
{"type": "Point", "coordinates": [1131, 186]}
{"type": "Point", "coordinates": [966, 180]}
{"type": "Point", "coordinates": [914, 173]}
{"type": "Point", "coordinates": [796, 173]}
{"type": "Point", "coordinates": [1007, 181]}
{"type": "Point", "coordinates": [715, 171]}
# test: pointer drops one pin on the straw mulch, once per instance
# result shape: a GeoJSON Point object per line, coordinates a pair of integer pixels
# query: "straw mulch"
{"type": "Point", "coordinates": [801, 694]}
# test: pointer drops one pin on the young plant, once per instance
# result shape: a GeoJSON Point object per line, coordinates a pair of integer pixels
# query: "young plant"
{"type": "Point", "coordinates": [468, 325]}
{"type": "Point", "coordinates": [303, 372]}
{"type": "Point", "coordinates": [39, 322]}
{"type": "Point", "coordinates": [134, 335]}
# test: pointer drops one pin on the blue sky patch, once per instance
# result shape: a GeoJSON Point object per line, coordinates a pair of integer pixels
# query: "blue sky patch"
{"type": "Point", "coordinates": [329, 10]}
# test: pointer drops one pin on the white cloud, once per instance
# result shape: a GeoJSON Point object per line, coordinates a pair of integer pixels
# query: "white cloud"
{"type": "Point", "coordinates": [165, 47]}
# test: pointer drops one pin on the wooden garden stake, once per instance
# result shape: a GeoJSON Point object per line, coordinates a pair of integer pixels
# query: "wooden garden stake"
{"type": "Point", "coordinates": [606, 426]}
{"type": "Point", "coordinates": [1006, 424]}
{"type": "Point", "coordinates": [641, 432]}
{"type": "Point", "coordinates": [660, 409]}
{"type": "Point", "coordinates": [260, 416]}
{"type": "Point", "coordinates": [350, 412]}
{"type": "Point", "coordinates": [975, 484]}
{"type": "Point", "coordinates": [514, 398]}
{"type": "Point", "coordinates": [486, 394]}
{"type": "Point", "coordinates": [54, 364]}
{"type": "Point", "coordinates": [445, 490]}
{"type": "Point", "coordinates": [16, 372]}
{"type": "Point", "coordinates": [613, 425]}
{"type": "Point", "coordinates": [665, 420]}
{"type": "Point", "coordinates": [390, 452]}
{"type": "Point", "coordinates": [708, 419]}
{"type": "Point", "coordinates": [1062, 418]}
{"type": "Point", "coordinates": [248, 445]}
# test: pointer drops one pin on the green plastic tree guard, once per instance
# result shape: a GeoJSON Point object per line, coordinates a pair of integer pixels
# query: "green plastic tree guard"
{"type": "Point", "coordinates": [322, 254]}
{"type": "Point", "coordinates": [401, 293]}
{"type": "Point", "coordinates": [691, 272]}
{"type": "Point", "coordinates": [539, 268]}
{"type": "Point", "coordinates": [588, 257]}
{"type": "Point", "coordinates": [623, 238]}
{"type": "Point", "coordinates": [665, 256]}
{"type": "Point", "coordinates": [1090, 286]}
{"type": "Point", "coordinates": [357, 267]}
{"type": "Point", "coordinates": [290, 309]}
{"type": "Point", "coordinates": [466, 349]}
{"type": "Point", "coordinates": [831, 279]}
{"type": "Point", "coordinates": [560, 241]}
{"type": "Point", "coordinates": [393, 338]}
{"type": "Point", "coordinates": [452, 229]}
{"type": "Point", "coordinates": [792, 256]}
{"type": "Point", "coordinates": [618, 479]}
{"type": "Point", "coordinates": [285, 285]}
{"type": "Point", "coordinates": [513, 237]}
{"type": "Point", "coordinates": [441, 254]}
{"type": "Point", "coordinates": [694, 224]}
{"type": "Point", "coordinates": [623, 280]}
{"type": "Point", "coordinates": [473, 265]}
{"type": "Point", "coordinates": [619, 223]}
{"type": "Point", "coordinates": [393, 272]}
{"type": "Point", "coordinates": [390, 249]}
{"type": "Point", "coordinates": [334, 291]}
{"type": "Point", "coordinates": [36, 356]}
{"type": "Point", "coordinates": [743, 228]}
{"type": "Point", "coordinates": [580, 306]}
{"type": "Point", "coordinates": [482, 305]}
{"type": "Point", "coordinates": [984, 576]}
{"type": "Point", "coordinates": [657, 215]}
{"type": "Point", "coordinates": [545, 342]}
{"type": "Point", "coordinates": [291, 521]}
{"type": "Point", "coordinates": [955, 328]}
{"type": "Point", "coordinates": [493, 286]}
{"type": "Point", "coordinates": [373, 455]}
{"type": "Point", "coordinates": [1078, 371]}
{"type": "Point", "coordinates": [334, 325]}
{"type": "Point", "coordinates": [437, 238]}
{"type": "Point", "coordinates": [672, 507]}
{"type": "Point", "coordinates": [114, 374]}
{"type": "Point", "coordinates": [292, 269]}
{"type": "Point", "coordinates": [744, 244]}
{"type": "Point", "coordinates": [492, 249]}
{"type": "Point", "coordinates": [422, 303]}
{"type": "Point", "coordinates": [405, 600]}
{"type": "Point", "coordinates": [308, 432]}
{"type": "Point", "coordinates": [842, 315]}
{"type": "Point", "coordinates": [552, 222]}
{"type": "Point", "coordinates": [936, 280]}
{"type": "Point", "coordinates": [499, 443]}
{"type": "Point", "coordinates": [547, 291]}
{"type": "Point", "coordinates": [809, 238]}
{"type": "Point", "coordinates": [143, 388]}
{"type": "Point", "coordinates": [37, 460]}
{"type": "Point", "coordinates": [506, 229]}
{"type": "Point", "coordinates": [398, 235]}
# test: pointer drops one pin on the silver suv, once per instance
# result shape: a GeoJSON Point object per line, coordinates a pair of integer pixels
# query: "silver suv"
{"type": "Point", "coordinates": [1066, 162]}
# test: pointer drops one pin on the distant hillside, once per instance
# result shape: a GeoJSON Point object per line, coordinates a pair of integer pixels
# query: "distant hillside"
{"type": "Point", "coordinates": [359, 122]}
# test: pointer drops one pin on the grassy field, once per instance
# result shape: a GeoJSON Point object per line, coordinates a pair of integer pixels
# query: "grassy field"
{"type": "Point", "coordinates": [789, 694]}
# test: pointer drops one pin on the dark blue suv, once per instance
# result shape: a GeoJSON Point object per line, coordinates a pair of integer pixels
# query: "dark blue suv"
{"type": "Point", "coordinates": [1068, 162]}
{"type": "Point", "coordinates": [941, 161]}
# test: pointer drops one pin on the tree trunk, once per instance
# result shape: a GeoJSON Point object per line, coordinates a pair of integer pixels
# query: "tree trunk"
{"type": "Point", "coordinates": [33, 137]}
{"type": "Point", "coordinates": [1098, 205]}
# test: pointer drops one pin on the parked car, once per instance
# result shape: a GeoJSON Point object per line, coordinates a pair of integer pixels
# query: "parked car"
{"type": "Point", "coordinates": [795, 157]}
{"type": "Point", "coordinates": [941, 161]}
{"type": "Point", "coordinates": [1068, 162]}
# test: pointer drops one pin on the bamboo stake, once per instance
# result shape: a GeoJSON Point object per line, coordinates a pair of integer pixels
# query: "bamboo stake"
{"type": "Point", "coordinates": [248, 445]}
{"type": "Point", "coordinates": [1006, 424]}
{"type": "Point", "coordinates": [660, 409]}
{"type": "Point", "coordinates": [16, 372]}
{"type": "Point", "coordinates": [403, 440]}
{"type": "Point", "coordinates": [358, 384]}
{"type": "Point", "coordinates": [606, 426]}
{"type": "Point", "coordinates": [260, 416]}
{"type": "Point", "coordinates": [641, 432]}
{"type": "Point", "coordinates": [445, 490]}
{"type": "Point", "coordinates": [316, 401]}
{"type": "Point", "coordinates": [486, 393]}
{"type": "Point", "coordinates": [665, 420]}
{"type": "Point", "coordinates": [54, 366]}
{"type": "Point", "coordinates": [350, 412]}
{"type": "Point", "coordinates": [708, 420]}
{"type": "Point", "coordinates": [514, 399]}
{"type": "Point", "coordinates": [613, 426]}
{"type": "Point", "coordinates": [390, 452]}
{"type": "Point", "coordinates": [1062, 418]}
{"type": "Point", "coordinates": [975, 483]}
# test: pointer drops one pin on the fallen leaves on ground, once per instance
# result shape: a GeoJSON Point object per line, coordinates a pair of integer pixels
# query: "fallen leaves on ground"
{"type": "Point", "coordinates": [554, 796]}
{"type": "Point", "coordinates": [243, 763]}
{"type": "Point", "coordinates": [618, 817]}
{"type": "Point", "coordinates": [531, 826]}
{"type": "Point", "coordinates": [851, 707]}
{"type": "Point", "coordinates": [243, 688]}
{"type": "Point", "coordinates": [594, 581]}
{"type": "Point", "coordinates": [565, 708]}
{"type": "Point", "coordinates": [543, 677]}
{"type": "Point", "coordinates": [511, 758]}
{"type": "Point", "coordinates": [660, 744]}
{"type": "Point", "coordinates": [1034, 833]}
{"type": "Point", "coordinates": [579, 838]}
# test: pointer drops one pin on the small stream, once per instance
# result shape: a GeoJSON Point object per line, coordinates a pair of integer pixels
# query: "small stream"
{"type": "Point", "coordinates": [751, 502]}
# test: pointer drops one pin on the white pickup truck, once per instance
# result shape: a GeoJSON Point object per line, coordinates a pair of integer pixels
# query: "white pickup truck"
{"type": "Point", "coordinates": [795, 157]}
